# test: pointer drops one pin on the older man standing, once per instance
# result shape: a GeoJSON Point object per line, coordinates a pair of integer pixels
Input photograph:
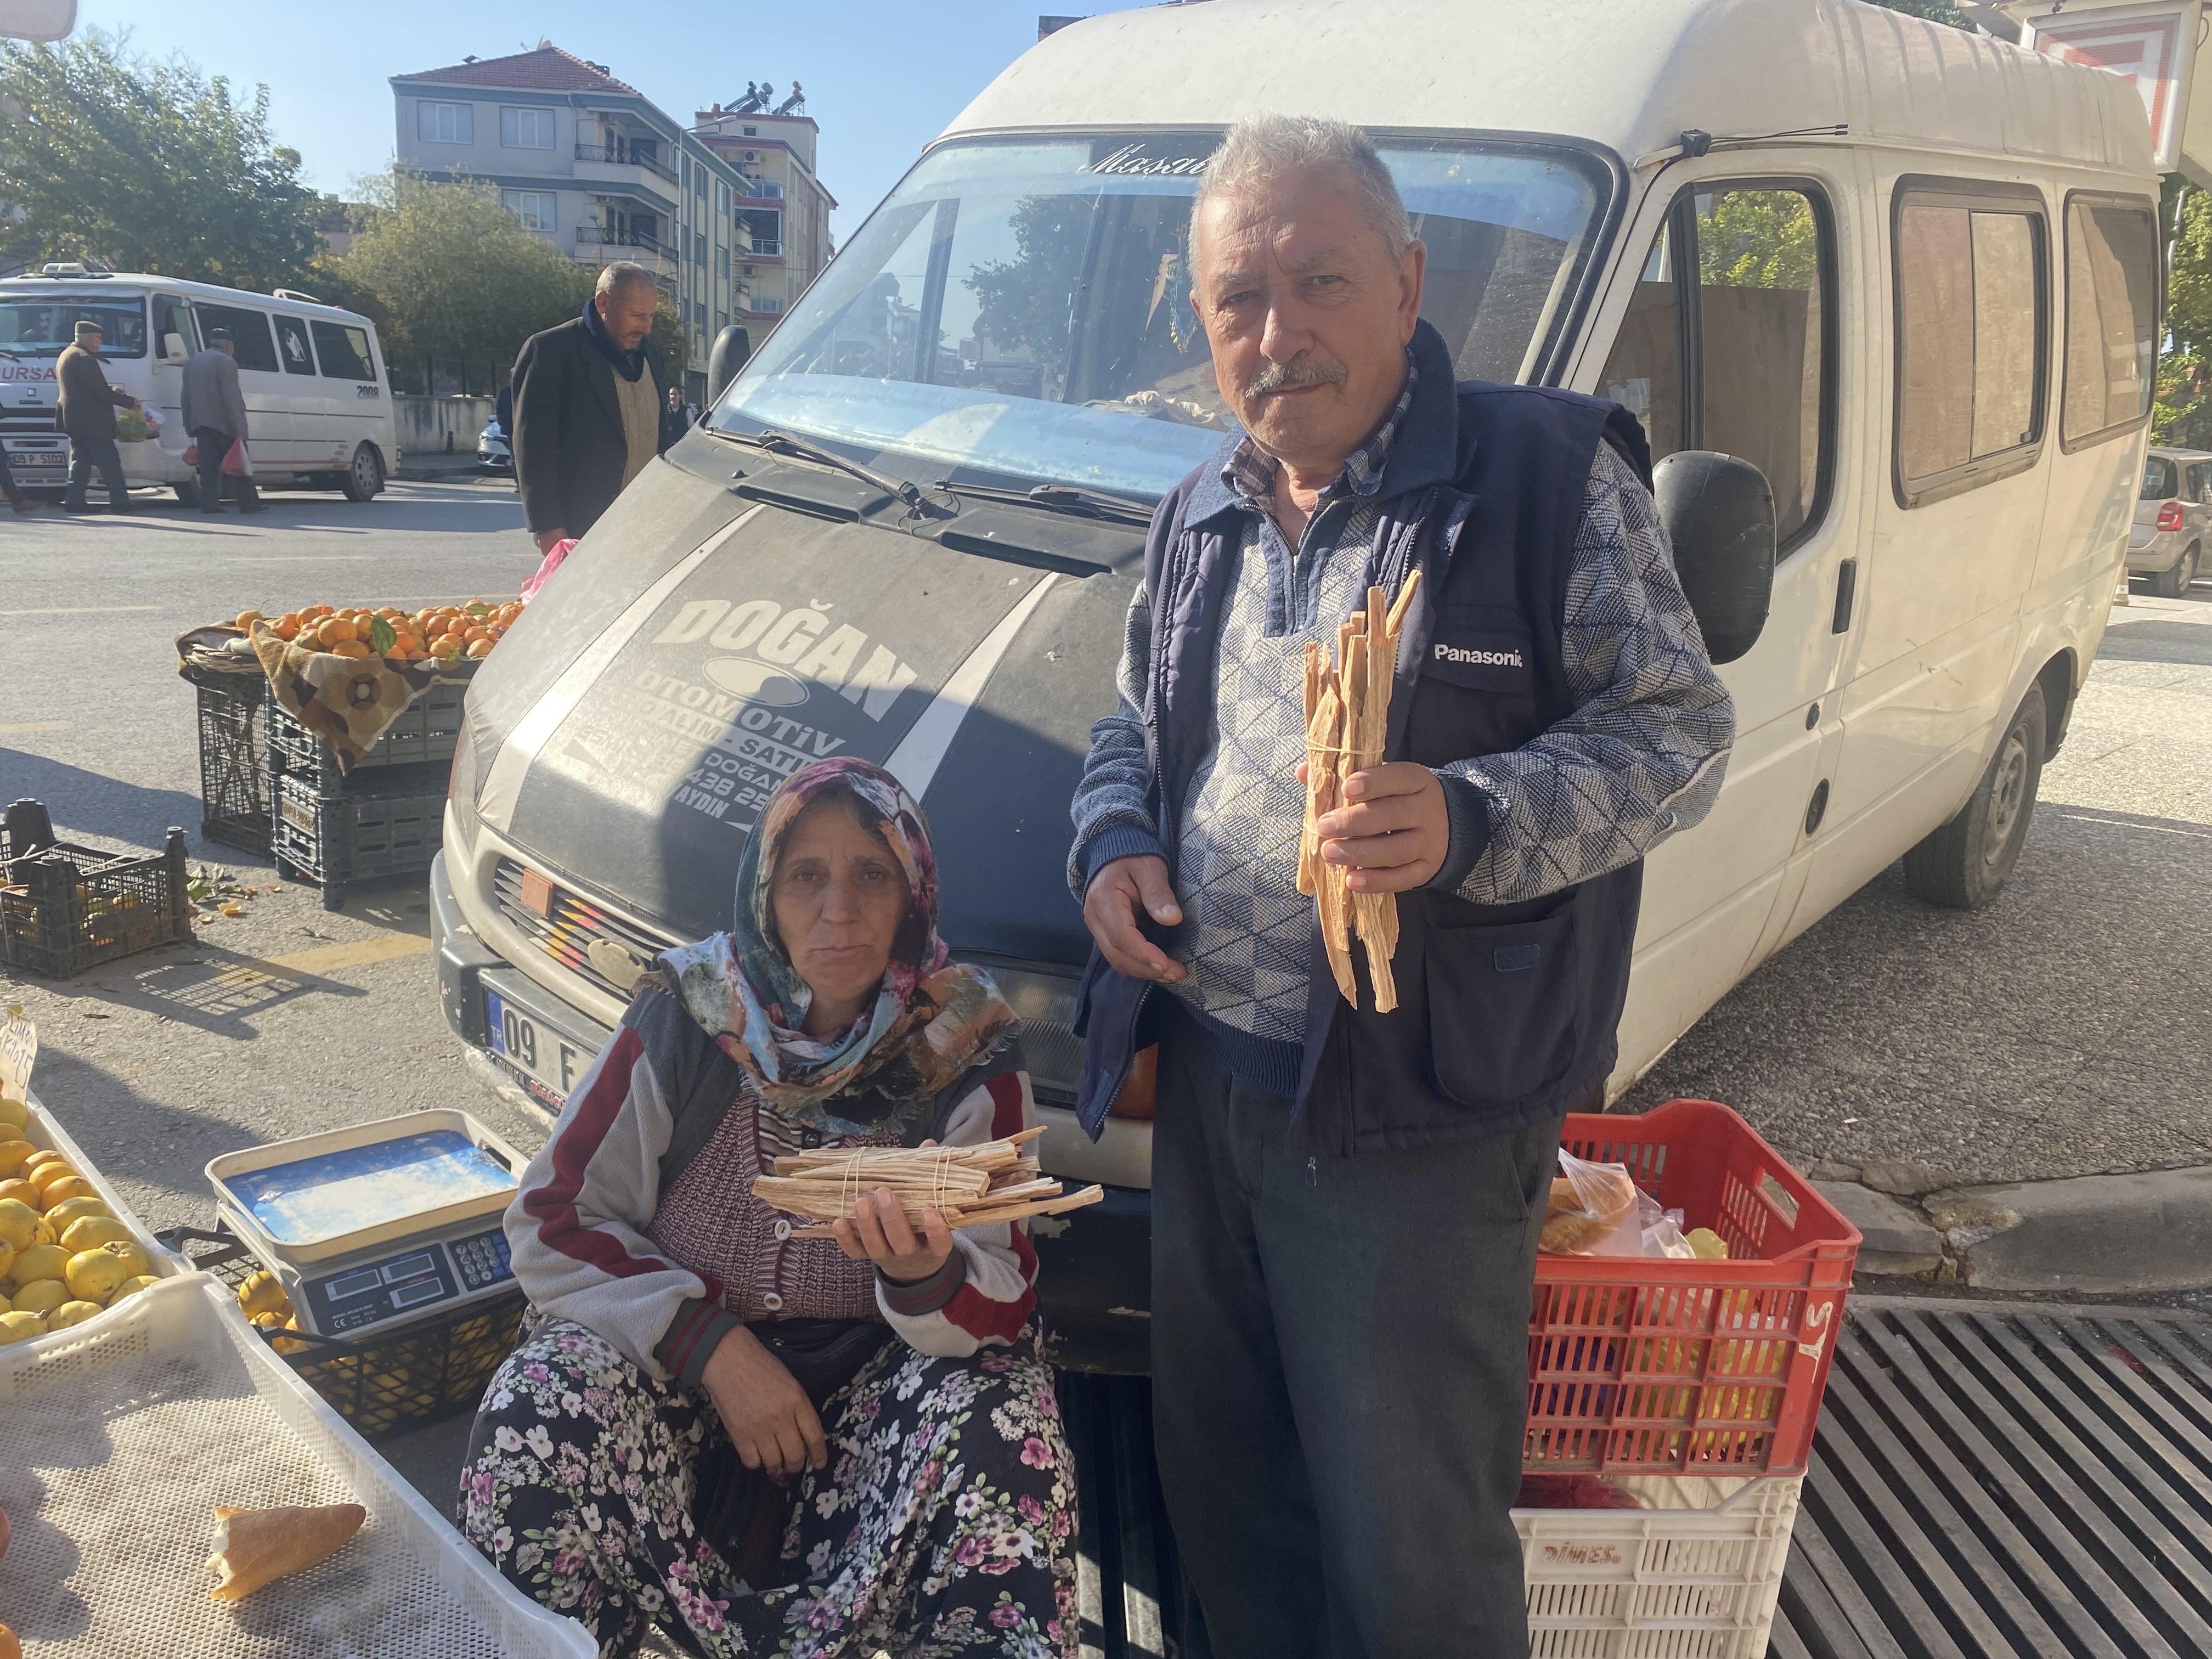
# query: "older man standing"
{"type": "Point", "coordinates": [587, 407]}
{"type": "Point", "coordinates": [215, 414]}
{"type": "Point", "coordinates": [1345, 1204]}
{"type": "Point", "coordinates": [87, 414]}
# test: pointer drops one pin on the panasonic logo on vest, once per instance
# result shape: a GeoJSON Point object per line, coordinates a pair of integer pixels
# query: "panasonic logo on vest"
{"type": "Point", "coordinates": [1481, 658]}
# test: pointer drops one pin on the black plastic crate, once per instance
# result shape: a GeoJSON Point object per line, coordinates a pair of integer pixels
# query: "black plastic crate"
{"type": "Point", "coordinates": [64, 907]}
{"type": "Point", "coordinates": [398, 1380]}
{"type": "Point", "coordinates": [234, 763]}
{"type": "Point", "coordinates": [425, 732]}
{"type": "Point", "coordinates": [382, 826]}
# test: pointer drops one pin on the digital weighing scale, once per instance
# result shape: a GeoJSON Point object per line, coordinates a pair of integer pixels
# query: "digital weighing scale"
{"type": "Point", "coordinates": [378, 1225]}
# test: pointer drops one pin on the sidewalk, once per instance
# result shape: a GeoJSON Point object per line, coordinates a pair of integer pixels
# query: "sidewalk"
{"type": "Point", "coordinates": [432, 466]}
{"type": "Point", "coordinates": [1971, 1081]}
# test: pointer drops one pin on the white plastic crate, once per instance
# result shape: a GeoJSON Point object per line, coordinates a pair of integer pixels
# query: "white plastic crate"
{"type": "Point", "coordinates": [1694, 1577]}
{"type": "Point", "coordinates": [44, 1132]}
{"type": "Point", "coordinates": [119, 1437]}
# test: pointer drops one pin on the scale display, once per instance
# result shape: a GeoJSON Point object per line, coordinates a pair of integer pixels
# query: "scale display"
{"type": "Point", "coordinates": [407, 1282]}
{"type": "Point", "coordinates": [313, 1199]}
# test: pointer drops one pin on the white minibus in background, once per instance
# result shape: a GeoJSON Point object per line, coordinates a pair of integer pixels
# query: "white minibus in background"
{"type": "Point", "coordinates": [318, 407]}
{"type": "Point", "coordinates": [1910, 273]}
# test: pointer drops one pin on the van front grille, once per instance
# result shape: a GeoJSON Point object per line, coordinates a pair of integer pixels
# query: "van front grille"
{"type": "Point", "coordinates": [587, 939]}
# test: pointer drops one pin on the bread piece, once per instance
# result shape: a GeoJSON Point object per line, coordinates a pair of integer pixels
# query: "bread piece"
{"type": "Point", "coordinates": [1570, 1229]}
{"type": "Point", "coordinates": [253, 1547]}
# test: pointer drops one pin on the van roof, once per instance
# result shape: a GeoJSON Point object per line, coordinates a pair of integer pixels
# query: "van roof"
{"type": "Point", "coordinates": [1632, 77]}
{"type": "Point", "coordinates": [139, 284]}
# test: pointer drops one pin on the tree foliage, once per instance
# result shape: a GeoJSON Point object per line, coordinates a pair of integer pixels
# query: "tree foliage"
{"type": "Point", "coordinates": [148, 166]}
{"type": "Point", "coordinates": [1024, 301]}
{"type": "Point", "coordinates": [449, 274]}
{"type": "Point", "coordinates": [1759, 239]}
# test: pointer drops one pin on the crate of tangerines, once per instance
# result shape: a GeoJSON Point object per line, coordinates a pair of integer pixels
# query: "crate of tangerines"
{"type": "Point", "coordinates": [442, 633]}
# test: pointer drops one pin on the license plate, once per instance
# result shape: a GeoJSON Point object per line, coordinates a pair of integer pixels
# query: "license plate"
{"type": "Point", "coordinates": [541, 1054]}
{"type": "Point", "coordinates": [31, 460]}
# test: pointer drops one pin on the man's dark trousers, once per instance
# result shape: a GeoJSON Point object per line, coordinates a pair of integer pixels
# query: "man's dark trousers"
{"type": "Point", "coordinates": [86, 454]}
{"type": "Point", "coordinates": [1339, 1373]}
{"type": "Point", "coordinates": [214, 446]}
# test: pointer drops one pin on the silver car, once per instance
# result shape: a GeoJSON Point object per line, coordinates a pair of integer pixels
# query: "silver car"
{"type": "Point", "coordinates": [2170, 541]}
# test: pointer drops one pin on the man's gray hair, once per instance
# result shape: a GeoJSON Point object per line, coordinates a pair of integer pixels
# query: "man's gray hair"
{"type": "Point", "coordinates": [1266, 147]}
{"type": "Point", "coordinates": [621, 273]}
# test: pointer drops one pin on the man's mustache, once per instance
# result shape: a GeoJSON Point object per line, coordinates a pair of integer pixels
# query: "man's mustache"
{"type": "Point", "coordinates": [1275, 376]}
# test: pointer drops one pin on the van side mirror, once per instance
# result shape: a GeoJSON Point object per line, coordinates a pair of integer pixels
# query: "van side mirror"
{"type": "Point", "coordinates": [733, 349]}
{"type": "Point", "coordinates": [1719, 514]}
{"type": "Point", "coordinates": [172, 347]}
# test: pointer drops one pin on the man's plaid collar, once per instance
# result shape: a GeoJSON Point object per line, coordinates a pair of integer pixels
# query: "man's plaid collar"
{"type": "Point", "coordinates": [1249, 472]}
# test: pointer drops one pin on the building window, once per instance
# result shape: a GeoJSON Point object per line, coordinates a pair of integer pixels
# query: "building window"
{"type": "Point", "coordinates": [2112, 317]}
{"type": "Point", "coordinates": [752, 132]}
{"type": "Point", "coordinates": [533, 209]}
{"type": "Point", "coordinates": [445, 124]}
{"type": "Point", "coordinates": [771, 303]}
{"type": "Point", "coordinates": [526, 129]}
{"type": "Point", "coordinates": [1750, 258]}
{"type": "Point", "coordinates": [1970, 273]}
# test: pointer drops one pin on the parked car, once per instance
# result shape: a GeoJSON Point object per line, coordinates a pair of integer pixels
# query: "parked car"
{"type": "Point", "coordinates": [318, 398]}
{"type": "Point", "coordinates": [1951, 497]}
{"type": "Point", "coordinates": [2171, 535]}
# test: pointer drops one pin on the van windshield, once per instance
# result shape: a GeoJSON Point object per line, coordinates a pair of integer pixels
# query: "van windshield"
{"type": "Point", "coordinates": [1021, 307]}
{"type": "Point", "coordinates": [40, 327]}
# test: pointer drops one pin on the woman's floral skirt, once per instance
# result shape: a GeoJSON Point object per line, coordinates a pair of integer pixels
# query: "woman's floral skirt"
{"type": "Point", "coordinates": [943, 1522]}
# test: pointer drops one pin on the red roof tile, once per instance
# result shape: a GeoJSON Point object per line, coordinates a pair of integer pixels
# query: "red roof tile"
{"type": "Point", "coordinates": [548, 69]}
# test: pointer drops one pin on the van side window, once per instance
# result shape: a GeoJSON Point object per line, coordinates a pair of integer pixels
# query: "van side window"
{"type": "Point", "coordinates": [1758, 338]}
{"type": "Point", "coordinates": [292, 346]}
{"type": "Point", "coordinates": [345, 351]}
{"type": "Point", "coordinates": [172, 316]}
{"type": "Point", "coordinates": [249, 334]}
{"type": "Point", "coordinates": [2112, 317]}
{"type": "Point", "coordinates": [1972, 318]}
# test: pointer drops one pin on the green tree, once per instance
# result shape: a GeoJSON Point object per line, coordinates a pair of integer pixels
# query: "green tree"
{"type": "Point", "coordinates": [1024, 301]}
{"type": "Point", "coordinates": [1758, 239]}
{"type": "Point", "coordinates": [450, 274]}
{"type": "Point", "coordinates": [148, 166]}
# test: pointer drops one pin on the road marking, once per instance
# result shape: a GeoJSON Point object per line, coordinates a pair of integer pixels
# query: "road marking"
{"type": "Point", "coordinates": [384, 947]}
{"type": "Point", "coordinates": [32, 725]}
{"type": "Point", "coordinates": [83, 611]}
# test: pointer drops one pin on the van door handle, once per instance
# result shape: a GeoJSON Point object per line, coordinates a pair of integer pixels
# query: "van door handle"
{"type": "Point", "coordinates": [1847, 587]}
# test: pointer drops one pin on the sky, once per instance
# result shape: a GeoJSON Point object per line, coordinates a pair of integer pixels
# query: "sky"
{"type": "Point", "coordinates": [882, 79]}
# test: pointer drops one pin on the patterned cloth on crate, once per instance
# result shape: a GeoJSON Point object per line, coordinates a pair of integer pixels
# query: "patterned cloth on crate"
{"type": "Point", "coordinates": [346, 700]}
{"type": "Point", "coordinates": [933, 1019]}
{"type": "Point", "coordinates": [944, 1523]}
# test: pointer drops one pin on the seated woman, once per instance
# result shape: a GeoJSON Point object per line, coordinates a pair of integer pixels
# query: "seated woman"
{"type": "Point", "coordinates": [693, 1386]}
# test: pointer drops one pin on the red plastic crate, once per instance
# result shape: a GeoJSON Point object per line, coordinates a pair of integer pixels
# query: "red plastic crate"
{"type": "Point", "coordinates": [1647, 1367]}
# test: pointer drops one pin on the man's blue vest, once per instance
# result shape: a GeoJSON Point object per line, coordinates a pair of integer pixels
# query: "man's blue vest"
{"type": "Point", "coordinates": [1506, 1013]}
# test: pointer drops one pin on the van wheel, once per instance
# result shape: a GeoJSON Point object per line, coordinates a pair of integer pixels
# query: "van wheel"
{"type": "Point", "coordinates": [1964, 865]}
{"type": "Point", "coordinates": [2174, 583]}
{"type": "Point", "coordinates": [189, 494]}
{"type": "Point", "coordinates": [365, 477]}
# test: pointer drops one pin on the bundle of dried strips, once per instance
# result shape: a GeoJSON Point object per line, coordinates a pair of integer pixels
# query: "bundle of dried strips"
{"type": "Point", "coordinates": [1347, 706]}
{"type": "Point", "coordinates": [969, 1186]}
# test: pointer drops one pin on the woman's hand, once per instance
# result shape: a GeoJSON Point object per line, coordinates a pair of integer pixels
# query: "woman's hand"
{"type": "Point", "coordinates": [880, 1232]}
{"type": "Point", "coordinates": [768, 1416]}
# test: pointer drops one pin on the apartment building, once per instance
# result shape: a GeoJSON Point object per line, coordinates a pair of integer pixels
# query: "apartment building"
{"type": "Point", "coordinates": [786, 210]}
{"type": "Point", "coordinates": [588, 162]}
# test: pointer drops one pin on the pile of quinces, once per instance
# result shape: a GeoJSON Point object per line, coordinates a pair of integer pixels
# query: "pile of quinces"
{"type": "Point", "coordinates": [63, 1255]}
{"type": "Point", "coordinates": [442, 633]}
{"type": "Point", "coordinates": [262, 1300]}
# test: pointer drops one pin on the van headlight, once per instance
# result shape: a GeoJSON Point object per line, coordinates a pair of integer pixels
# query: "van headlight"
{"type": "Point", "coordinates": [1046, 1002]}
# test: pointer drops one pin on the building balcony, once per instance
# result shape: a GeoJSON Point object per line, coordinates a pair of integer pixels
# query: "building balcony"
{"type": "Point", "coordinates": [596, 245]}
{"type": "Point", "coordinates": [622, 163]}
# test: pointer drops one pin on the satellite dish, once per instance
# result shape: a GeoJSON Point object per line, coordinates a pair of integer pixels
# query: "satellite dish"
{"type": "Point", "coordinates": [37, 19]}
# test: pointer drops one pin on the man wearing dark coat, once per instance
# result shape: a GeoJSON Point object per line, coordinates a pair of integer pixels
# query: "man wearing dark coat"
{"type": "Point", "coordinates": [588, 399]}
{"type": "Point", "coordinates": [87, 414]}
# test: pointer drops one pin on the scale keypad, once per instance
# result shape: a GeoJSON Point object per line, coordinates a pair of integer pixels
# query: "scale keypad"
{"type": "Point", "coordinates": [482, 1261]}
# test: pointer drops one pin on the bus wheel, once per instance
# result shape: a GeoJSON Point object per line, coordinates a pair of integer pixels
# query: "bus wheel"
{"type": "Point", "coordinates": [1964, 865]}
{"type": "Point", "coordinates": [365, 477]}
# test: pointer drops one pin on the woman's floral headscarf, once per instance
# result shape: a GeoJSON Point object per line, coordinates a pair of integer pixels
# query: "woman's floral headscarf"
{"type": "Point", "coordinates": [933, 1018]}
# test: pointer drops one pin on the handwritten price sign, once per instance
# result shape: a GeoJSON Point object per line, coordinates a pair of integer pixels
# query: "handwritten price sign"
{"type": "Point", "coordinates": [19, 1049]}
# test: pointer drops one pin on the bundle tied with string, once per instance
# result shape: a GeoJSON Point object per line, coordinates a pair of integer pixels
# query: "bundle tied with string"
{"type": "Point", "coordinates": [969, 1186]}
{"type": "Point", "coordinates": [1347, 706]}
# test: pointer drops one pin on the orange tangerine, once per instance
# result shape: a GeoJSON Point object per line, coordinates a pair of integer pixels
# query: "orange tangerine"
{"type": "Point", "coordinates": [353, 648]}
{"type": "Point", "coordinates": [480, 647]}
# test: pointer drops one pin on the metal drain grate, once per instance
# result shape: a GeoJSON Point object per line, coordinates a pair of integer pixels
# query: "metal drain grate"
{"type": "Point", "coordinates": [2003, 1481]}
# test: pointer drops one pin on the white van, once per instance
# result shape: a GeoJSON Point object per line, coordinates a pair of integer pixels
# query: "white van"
{"type": "Point", "coordinates": [1909, 272]}
{"type": "Point", "coordinates": [318, 407]}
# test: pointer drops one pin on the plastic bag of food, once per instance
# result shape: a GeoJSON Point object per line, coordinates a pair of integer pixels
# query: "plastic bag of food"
{"type": "Point", "coordinates": [1590, 1204]}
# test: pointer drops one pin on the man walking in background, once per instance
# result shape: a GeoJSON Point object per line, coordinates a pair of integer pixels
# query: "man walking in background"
{"type": "Point", "coordinates": [215, 414]}
{"type": "Point", "coordinates": [589, 398]}
{"type": "Point", "coordinates": [87, 414]}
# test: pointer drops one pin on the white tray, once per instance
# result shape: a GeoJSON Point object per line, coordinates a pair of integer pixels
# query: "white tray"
{"type": "Point", "coordinates": [44, 1132]}
{"type": "Point", "coordinates": [1695, 1577]}
{"type": "Point", "coordinates": [118, 1437]}
{"type": "Point", "coordinates": [222, 1169]}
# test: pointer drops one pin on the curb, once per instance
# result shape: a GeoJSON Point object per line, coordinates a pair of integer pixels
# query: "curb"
{"type": "Point", "coordinates": [437, 467]}
{"type": "Point", "coordinates": [2149, 1232]}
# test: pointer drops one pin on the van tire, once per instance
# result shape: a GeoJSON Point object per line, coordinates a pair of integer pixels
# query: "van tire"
{"type": "Point", "coordinates": [1964, 865]}
{"type": "Point", "coordinates": [2174, 583]}
{"type": "Point", "coordinates": [188, 493]}
{"type": "Point", "coordinates": [364, 475]}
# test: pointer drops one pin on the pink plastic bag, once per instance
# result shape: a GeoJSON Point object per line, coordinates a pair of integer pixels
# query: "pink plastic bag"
{"type": "Point", "coordinates": [551, 564]}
